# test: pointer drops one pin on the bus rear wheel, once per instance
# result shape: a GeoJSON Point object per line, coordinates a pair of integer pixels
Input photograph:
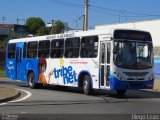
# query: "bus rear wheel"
{"type": "Point", "coordinates": [31, 80]}
{"type": "Point", "coordinates": [87, 85]}
{"type": "Point", "coordinates": [121, 93]}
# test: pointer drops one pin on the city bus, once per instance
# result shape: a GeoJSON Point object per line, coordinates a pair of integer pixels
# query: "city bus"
{"type": "Point", "coordinates": [111, 59]}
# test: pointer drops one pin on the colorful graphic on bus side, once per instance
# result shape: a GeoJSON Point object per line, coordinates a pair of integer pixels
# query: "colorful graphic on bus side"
{"type": "Point", "coordinates": [68, 74]}
{"type": "Point", "coordinates": [42, 68]}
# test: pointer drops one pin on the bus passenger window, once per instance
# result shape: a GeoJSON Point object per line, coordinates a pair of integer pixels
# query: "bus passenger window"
{"type": "Point", "coordinates": [108, 52]}
{"type": "Point", "coordinates": [11, 50]}
{"type": "Point", "coordinates": [72, 46]}
{"type": "Point", "coordinates": [43, 49]}
{"type": "Point", "coordinates": [57, 48]}
{"type": "Point", "coordinates": [32, 49]}
{"type": "Point", "coordinates": [89, 47]}
{"type": "Point", "coordinates": [24, 50]}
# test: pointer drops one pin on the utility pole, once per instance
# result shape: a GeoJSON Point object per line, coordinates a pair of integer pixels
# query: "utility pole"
{"type": "Point", "coordinates": [17, 20]}
{"type": "Point", "coordinates": [24, 21]}
{"type": "Point", "coordinates": [3, 19]}
{"type": "Point", "coordinates": [52, 27]}
{"type": "Point", "coordinates": [86, 15]}
{"type": "Point", "coordinates": [76, 23]}
{"type": "Point", "coordinates": [83, 22]}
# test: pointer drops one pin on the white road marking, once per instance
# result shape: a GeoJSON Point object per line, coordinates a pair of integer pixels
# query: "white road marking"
{"type": "Point", "coordinates": [29, 94]}
{"type": "Point", "coordinates": [23, 112]}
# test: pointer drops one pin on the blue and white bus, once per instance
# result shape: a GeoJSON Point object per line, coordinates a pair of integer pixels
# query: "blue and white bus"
{"type": "Point", "coordinates": [113, 59]}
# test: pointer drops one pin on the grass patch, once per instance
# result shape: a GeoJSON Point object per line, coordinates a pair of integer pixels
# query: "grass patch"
{"type": "Point", "coordinates": [2, 72]}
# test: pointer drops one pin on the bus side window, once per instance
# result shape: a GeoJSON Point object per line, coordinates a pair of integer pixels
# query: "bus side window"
{"type": "Point", "coordinates": [103, 52]}
{"type": "Point", "coordinates": [24, 50]}
{"type": "Point", "coordinates": [89, 47]}
{"type": "Point", "coordinates": [57, 48]}
{"type": "Point", "coordinates": [108, 52]}
{"type": "Point", "coordinates": [11, 50]}
{"type": "Point", "coordinates": [32, 49]}
{"type": "Point", "coordinates": [44, 49]}
{"type": "Point", "coordinates": [72, 47]}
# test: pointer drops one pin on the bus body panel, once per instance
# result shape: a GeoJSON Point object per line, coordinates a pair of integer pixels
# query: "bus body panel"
{"type": "Point", "coordinates": [123, 84]}
{"type": "Point", "coordinates": [20, 61]}
{"type": "Point", "coordinates": [131, 80]}
{"type": "Point", "coordinates": [66, 71]}
{"type": "Point", "coordinates": [32, 66]}
{"type": "Point", "coordinates": [11, 68]}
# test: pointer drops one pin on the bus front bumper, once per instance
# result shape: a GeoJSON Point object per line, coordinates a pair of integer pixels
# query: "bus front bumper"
{"type": "Point", "coordinates": [116, 84]}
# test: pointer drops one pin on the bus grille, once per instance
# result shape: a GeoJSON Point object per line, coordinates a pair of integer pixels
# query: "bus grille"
{"type": "Point", "coordinates": [135, 85]}
{"type": "Point", "coordinates": [136, 73]}
{"type": "Point", "coordinates": [135, 78]}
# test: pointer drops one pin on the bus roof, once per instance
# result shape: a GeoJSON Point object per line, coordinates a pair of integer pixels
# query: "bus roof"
{"type": "Point", "coordinates": [69, 35]}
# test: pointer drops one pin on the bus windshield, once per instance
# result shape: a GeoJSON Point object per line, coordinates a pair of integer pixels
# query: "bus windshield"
{"type": "Point", "coordinates": [133, 54]}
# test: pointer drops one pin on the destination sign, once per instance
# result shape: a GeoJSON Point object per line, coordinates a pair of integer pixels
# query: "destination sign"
{"type": "Point", "coordinates": [132, 35]}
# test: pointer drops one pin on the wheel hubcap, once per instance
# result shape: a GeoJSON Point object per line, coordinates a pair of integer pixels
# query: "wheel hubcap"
{"type": "Point", "coordinates": [85, 86]}
{"type": "Point", "coordinates": [31, 81]}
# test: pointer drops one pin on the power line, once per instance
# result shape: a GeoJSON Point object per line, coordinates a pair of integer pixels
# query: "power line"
{"type": "Point", "coordinates": [129, 12]}
{"type": "Point", "coordinates": [70, 4]}
{"type": "Point", "coordinates": [76, 21]}
{"type": "Point", "coordinates": [118, 14]}
{"type": "Point", "coordinates": [106, 11]}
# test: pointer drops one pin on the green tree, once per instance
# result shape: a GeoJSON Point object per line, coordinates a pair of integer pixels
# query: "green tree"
{"type": "Point", "coordinates": [3, 41]}
{"type": "Point", "coordinates": [42, 31]}
{"type": "Point", "coordinates": [58, 27]}
{"type": "Point", "coordinates": [34, 24]}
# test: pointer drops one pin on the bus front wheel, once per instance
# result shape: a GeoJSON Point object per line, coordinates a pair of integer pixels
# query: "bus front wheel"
{"type": "Point", "coordinates": [31, 80]}
{"type": "Point", "coordinates": [87, 85]}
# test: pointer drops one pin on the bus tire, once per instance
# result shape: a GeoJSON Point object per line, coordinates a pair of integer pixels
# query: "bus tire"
{"type": "Point", "coordinates": [31, 80]}
{"type": "Point", "coordinates": [121, 93]}
{"type": "Point", "coordinates": [87, 85]}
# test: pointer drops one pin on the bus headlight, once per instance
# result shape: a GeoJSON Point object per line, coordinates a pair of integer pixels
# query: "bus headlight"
{"type": "Point", "coordinates": [119, 76]}
{"type": "Point", "coordinates": [151, 77]}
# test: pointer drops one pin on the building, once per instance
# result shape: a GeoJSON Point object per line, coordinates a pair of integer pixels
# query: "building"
{"type": "Point", "coordinates": [67, 29]}
{"type": "Point", "coordinates": [17, 31]}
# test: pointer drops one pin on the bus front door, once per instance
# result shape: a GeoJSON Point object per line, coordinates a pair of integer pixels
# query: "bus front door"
{"type": "Point", "coordinates": [19, 61]}
{"type": "Point", "coordinates": [105, 64]}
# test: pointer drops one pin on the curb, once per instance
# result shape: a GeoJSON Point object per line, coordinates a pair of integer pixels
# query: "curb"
{"type": "Point", "coordinates": [12, 97]}
{"type": "Point", "coordinates": [157, 84]}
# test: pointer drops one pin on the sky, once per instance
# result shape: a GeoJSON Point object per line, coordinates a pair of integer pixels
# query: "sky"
{"type": "Point", "coordinates": [71, 11]}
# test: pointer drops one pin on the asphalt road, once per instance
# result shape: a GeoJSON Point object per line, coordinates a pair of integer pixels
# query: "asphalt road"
{"type": "Point", "coordinates": [53, 100]}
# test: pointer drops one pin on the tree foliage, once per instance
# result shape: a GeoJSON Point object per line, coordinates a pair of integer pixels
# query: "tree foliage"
{"type": "Point", "coordinates": [34, 24]}
{"type": "Point", "coordinates": [58, 27]}
{"type": "Point", "coordinates": [42, 31]}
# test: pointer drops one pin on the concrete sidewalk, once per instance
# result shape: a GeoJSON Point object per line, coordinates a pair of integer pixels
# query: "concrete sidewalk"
{"type": "Point", "coordinates": [157, 84]}
{"type": "Point", "coordinates": [7, 94]}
